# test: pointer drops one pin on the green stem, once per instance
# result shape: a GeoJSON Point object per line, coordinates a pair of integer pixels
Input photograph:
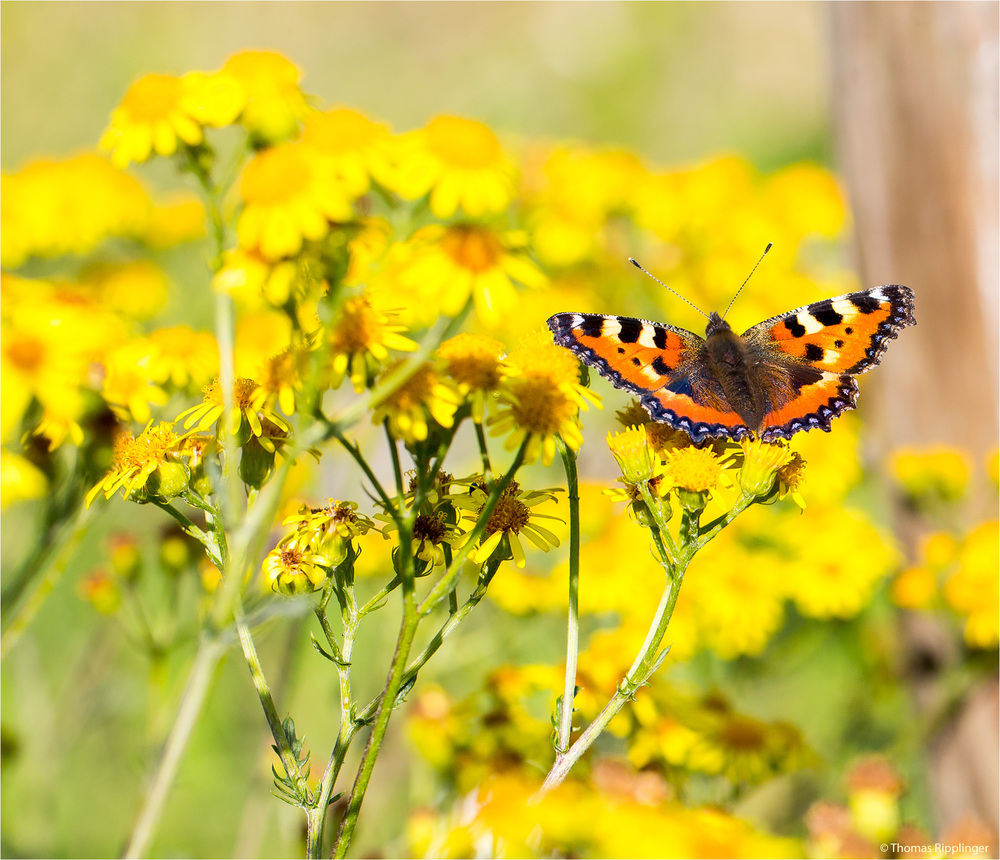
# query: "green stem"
{"type": "Point", "coordinates": [210, 651]}
{"type": "Point", "coordinates": [285, 753]}
{"type": "Point", "coordinates": [565, 728]}
{"type": "Point", "coordinates": [394, 682]}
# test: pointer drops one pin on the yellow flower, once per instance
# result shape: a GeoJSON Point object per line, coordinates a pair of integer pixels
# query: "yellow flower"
{"type": "Point", "coordinates": [146, 466]}
{"type": "Point", "coordinates": [281, 378]}
{"type": "Point", "coordinates": [939, 473]}
{"type": "Point", "coordinates": [360, 338]}
{"type": "Point", "coordinates": [423, 395]}
{"type": "Point", "coordinates": [974, 590]}
{"type": "Point", "coordinates": [183, 357]}
{"type": "Point", "coordinates": [274, 102]}
{"type": "Point", "coordinates": [761, 462]}
{"type": "Point", "coordinates": [541, 398]}
{"type": "Point", "coordinates": [70, 206]}
{"type": "Point", "coordinates": [252, 281]}
{"type": "Point", "coordinates": [291, 569]}
{"type": "Point", "coordinates": [443, 266]}
{"type": "Point", "coordinates": [511, 518]}
{"type": "Point", "coordinates": [289, 196]}
{"type": "Point", "coordinates": [20, 480]}
{"type": "Point", "coordinates": [329, 530]}
{"type": "Point", "coordinates": [357, 148]}
{"type": "Point", "coordinates": [176, 219]}
{"type": "Point", "coordinates": [101, 590]}
{"type": "Point", "coordinates": [460, 162]}
{"type": "Point", "coordinates": [248, 413]}
{"type": "Point", "coordinates": [873, 794]}
{"type": "Point", "coordinates": [137, 289]}
{"type": "Point", "coordinates": [790, 478]}
{"type": "Point", "coordinates": [834, 573]}
{"type": "Point", "coordinates": [475, 363]}
{"type": "Point", "coordinates": [128, 387]}
{"type": "Point", "coordinates": [694, 472]}
{"type": "Point", "coordinates": [914, 588]}
{"type": "Point", "coordinates": [631, 450]}
{"type": "Point", "coordinates": [159, 112]}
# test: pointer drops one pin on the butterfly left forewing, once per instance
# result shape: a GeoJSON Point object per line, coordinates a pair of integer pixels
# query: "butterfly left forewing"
{"type": "Point", "coordinates": [662, 364]}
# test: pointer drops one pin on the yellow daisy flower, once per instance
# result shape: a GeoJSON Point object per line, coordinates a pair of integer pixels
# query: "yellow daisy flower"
{"type": "Point", "coordinates": [932, 474]}
{"type": "Point", "coordinates": [460, 162]}
{"type": "Point", "coordinates": [442, 266]}
{"type": "Point", "coordinates": [160, 112]}
{"type": "Point", "coordinates": [974, 589]}
{"type": "Point", "coordinates": [20, 480]}
{"type": "Point", "coordinates": [145, 466]}
{"type": "Point", "coordinates": [292, 569]}
{"type": "Point", "coordinates": [424, 395]}
{"type": "Point", "coordinates": [475, 363]}
{"type": "Point", "coordinates": [274, 102]}
{"type": "Point", "coordinates": [330, 529]}
{"type": "Point", "coordinates": [138, 289]}
{"type": "Point", "coordinates": [761, 462]}
{"type": "Point", "coordinates": [246, 420]}
{"type": "Point", "coordinates": [357, 148]}
{"type": "Point", "coordinates": [360, 338]}
{"type": "Point", "coordinates": [541, 398]}
{"type": "Point", "coordinates": [128, 387]}
{"type": "Point", "coordinates": [183, 357]}
{"type": "Point", "coordinates": [289, 196]}
{"type": "Point", "coordinates": [511, 518]}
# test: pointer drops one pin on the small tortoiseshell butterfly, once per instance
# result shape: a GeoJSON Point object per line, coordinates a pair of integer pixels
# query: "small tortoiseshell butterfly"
{"type": "Point", "coordinates": [789, 373]}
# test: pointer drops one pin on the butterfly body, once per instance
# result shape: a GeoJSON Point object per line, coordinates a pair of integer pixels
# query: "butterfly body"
{"type": "Point", "coordinates": [789, 373]}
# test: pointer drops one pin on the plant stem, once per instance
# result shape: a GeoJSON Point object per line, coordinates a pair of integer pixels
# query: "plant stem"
{"type": "Point", "coordinates": [206, 660]}
{"type": "Point", "coordinates": [565, 728]}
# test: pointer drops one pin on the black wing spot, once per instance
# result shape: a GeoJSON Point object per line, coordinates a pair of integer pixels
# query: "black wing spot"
{"type": "Point", "coordinates": [621, 350]}
{"type": "Point", "coordinates": [824, 313]}
{"type": "Point", "coordinates": [660, 366]}
{"type": "Point", "coordinates": [637, 362]}
{"type": "Point", "coordinates": [795, 328]}
{"type": "Point", "coordinates": [660, 338]}
{"type": "Point", "coordinates": [629, 330]}
{"type": "Point", "coordinates": [593, 326]}
{"type": "Point", "coordinates": [838, 343]}
{"type": "Point", "coordinates": [814, 352]}
{"type": "Point", "coordinates": [849, 330]}
{"type": "Point", "coordinates": [865, 303]}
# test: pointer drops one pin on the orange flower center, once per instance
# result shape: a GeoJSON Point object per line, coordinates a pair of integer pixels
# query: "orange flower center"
{"type": "Point", "coordinates": [473, 249]}
{"type": "Point", "coordinates": [26, 353]}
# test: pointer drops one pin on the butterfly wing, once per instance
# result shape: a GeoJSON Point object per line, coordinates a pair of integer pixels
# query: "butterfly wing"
{"type": "Point", "coordinates": [806, 358]}
{"type": "Point", "coordinates": [662, 364]}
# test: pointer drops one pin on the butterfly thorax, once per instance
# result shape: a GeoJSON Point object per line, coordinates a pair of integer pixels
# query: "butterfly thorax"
{"type": "Point", "coordinates": [731, 362]}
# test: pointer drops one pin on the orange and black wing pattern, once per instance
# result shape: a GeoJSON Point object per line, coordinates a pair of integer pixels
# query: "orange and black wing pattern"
{"type": "Point", "coordinates": [662, 364]}
{"type": "Point", "coordinates": [824, 344]}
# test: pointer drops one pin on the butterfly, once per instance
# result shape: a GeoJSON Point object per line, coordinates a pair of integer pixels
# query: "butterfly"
{"type": "Point", "coordinates": [789, 373]}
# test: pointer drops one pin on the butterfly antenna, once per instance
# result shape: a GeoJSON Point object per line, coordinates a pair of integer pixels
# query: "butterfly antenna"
{"type": "Point", "coordinates": [754, 269]}
{"type": "Point", "coordinates": [641, 269]}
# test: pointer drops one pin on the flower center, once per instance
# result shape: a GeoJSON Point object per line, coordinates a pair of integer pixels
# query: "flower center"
{"type": "Point", "coordinates": [26, 353]}
{"type": "Point", "coordinates": [432, 528]}
{"type": "Point", "coordinates": [471, 248]}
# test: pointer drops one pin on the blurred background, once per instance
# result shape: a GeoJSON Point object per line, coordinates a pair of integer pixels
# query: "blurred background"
{"type": "Point", "coordinates": [900, 100]}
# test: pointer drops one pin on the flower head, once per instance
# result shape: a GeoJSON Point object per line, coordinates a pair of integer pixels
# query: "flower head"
{"type": "Point", "coordinates": [356, 148]}
{"type": "Point", "coordinates": [974, 589]}
{"type": "Point", "coordinates": [291, 569]}
{"type": "Point", "coordinates": [145, 466]}
{"type": "Point", "coordinates": [128, 387]}
{"type": "Point", "coordinates": [330, 529]}
{"type": "Point", "coordinates": [761, 462]}
{"type": "Point", "coordinates": [160, 112]}
{"type": "Point", "coordinates": [289, 196]}
{"type": "Point", "coordinates": [541, 398]}
{"type": "Point", "coordinates": [423, 395]}
{"type": "Point", "coordinates": [274, 102]}
{"type": "Point", "coordinates": [511, 518]}
{"type": "Point", "coordinates": [475, 363]}
{"type": "Point", "coordinates": [249, 408]}
{"type": "Point", "coordinates": [940, 473]}
{"type": "Point", "coordinates": [443, 266]}
{"type": "Point", "coordinates": [460, 162]}
{"type": "Point", "coordinates": [360, 339]}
